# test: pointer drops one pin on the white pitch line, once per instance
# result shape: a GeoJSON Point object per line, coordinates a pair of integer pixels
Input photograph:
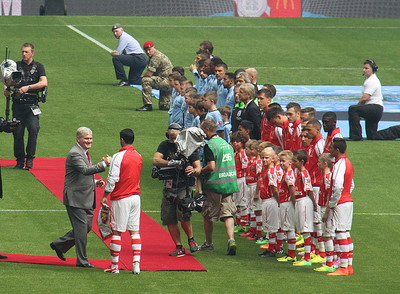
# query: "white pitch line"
{"type": "Point", "coordinates": [259, 67]}
{"type": "Point", "coordinates": [214, 26]}
{"type": "Point", "coordinates": [377, 213]}
{"type": "Point", "coordinates": [157, 211]}
{"type": "Point", "coordinates": [89, 38]}
{"type": "Point", "coordinates": [32, 210]}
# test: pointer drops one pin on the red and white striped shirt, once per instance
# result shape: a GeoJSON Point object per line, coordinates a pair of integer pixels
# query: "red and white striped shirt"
{"type": "Point", "coordinates": [328, 141]}
{"type": "Point", "coordinates": [241, 163]}
{"type": "Point", "coordinates": [324, 190]}
{"type": "Point", "coordinates": [270, 132]}
{"type": "Point", "coordinates": [124, 174]}
{"type": "Point", "coordinates": [316, 148]}
{"type": "Point", "coordinates": [303, 183]}
{"type": "Point", "coordinates": [251, 171]}
{"type": "Point", "coordinates": [342, 182]}
{"type": "Point", "coordinates": [295, 135]}
{"type": "Point", "coordinates": [288, 180]}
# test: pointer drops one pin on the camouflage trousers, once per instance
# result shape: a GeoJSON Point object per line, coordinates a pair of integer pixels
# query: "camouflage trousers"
{"type": "Point", "coordinates": [154, 82]}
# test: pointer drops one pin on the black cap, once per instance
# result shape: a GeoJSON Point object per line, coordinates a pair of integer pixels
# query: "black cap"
{"type": "Point", "coordinates": [116, 26]}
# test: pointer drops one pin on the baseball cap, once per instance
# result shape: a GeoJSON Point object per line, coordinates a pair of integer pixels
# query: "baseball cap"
{"type": "Point", "coordinates": [116, 26]}
{"type": "Point", "coordinates": [148, 45]}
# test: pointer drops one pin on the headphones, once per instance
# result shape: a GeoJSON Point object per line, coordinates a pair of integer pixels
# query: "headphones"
{"type": "Point", "coordinates": [173, 126]}
{"type": "Point", "coordinates": [372, 64]}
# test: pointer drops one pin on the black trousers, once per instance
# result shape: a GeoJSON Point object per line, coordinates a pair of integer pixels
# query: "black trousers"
{"type": "Point", "coordinates": [390, 133]}
{"type": "Point", "coordinates": [372, 114]}
{"type": "Point", "coordinates": [136, 63]}
{"type": "Point", "coordinates": [30, 122]}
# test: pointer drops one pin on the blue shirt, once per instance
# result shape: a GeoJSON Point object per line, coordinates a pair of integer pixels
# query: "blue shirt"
{"type": "Point", "coordinates": [187, 117]}
{"type": "Point", "coordinates": [210, 84]}
{"type": "Point", "coordinates": [230, 98]}
{"type": "Point", "coordinates": [216, 116]}
{"type": "Point", "coordinates": [222, 93]}
{"type": "Point", "coordinates": [128, 45]}
{"type": "Point", "coordinates": [174, 94]}
{"type": "Point", "coordinates": [227, 130]}
{"type": "Point", "coordinates": [199, 82]}
{"type": "Point", "coordinates": [196, 122]}
{"type": "Point", "coordinates": [176, 111]}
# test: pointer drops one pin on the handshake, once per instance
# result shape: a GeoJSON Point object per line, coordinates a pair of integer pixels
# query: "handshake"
{"type": "Point", "coordinates": [107, 159]}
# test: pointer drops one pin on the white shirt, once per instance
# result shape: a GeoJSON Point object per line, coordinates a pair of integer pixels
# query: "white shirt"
{"type": "Point", "coordinates": [372, 86]}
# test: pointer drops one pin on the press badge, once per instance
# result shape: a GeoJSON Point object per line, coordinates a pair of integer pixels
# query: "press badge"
{"type": "Point", "coordinates": [35, 110]}
{"type": "Point", "coordinates": [168, 184]}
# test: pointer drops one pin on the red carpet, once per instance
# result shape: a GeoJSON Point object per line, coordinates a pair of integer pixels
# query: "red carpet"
{"type": "Point", "coordinates": [156, 242]}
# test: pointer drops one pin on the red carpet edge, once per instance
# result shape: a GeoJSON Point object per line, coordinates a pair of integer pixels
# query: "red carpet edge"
{"type": "Point", "coordinates": [156, 242]}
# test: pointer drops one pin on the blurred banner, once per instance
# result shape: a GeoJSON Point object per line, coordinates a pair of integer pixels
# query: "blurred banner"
{"type": "Point", "coordinates": [10, 7]}
{"type": "Point", "coordinates": [268, 8]}
{"type": "Point", "coordinates": [245, 8]}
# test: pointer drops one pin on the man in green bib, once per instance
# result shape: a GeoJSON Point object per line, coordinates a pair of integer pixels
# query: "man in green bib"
{"type": "Point", "coordinates": [219, 182]}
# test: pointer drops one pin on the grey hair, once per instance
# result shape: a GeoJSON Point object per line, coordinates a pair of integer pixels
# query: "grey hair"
{"type": "Point", "coordinates": [245, 76]}
{"type": "Point", "coordinates": [82, 131]}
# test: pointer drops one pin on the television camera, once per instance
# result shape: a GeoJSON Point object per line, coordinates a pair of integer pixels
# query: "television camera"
{"type": "Point", "coordinates": [188, 141]}
{"type": "Point", "coordinates": [12, 78]}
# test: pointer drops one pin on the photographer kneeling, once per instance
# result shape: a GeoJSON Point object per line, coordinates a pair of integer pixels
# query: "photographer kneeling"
{"type": "Point", "coordinates": [178, 175]}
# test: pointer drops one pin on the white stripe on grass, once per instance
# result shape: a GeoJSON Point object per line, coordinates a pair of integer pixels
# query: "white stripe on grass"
{"type": "Point", "coordinates": [157, 211]}
{"type": "Point", "coordinates": [215, 26]}
{"type": "Point", "coordinates": [89, 38]}
{"type": "Point", "coordinates": [86, 36]}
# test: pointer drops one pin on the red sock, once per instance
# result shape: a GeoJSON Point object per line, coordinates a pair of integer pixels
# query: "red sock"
{"type": "Point", "coordinates": [307, 246]}
{"type": "Point", "coordinates": [259, 224]}
{"type": "Point", "coordinates": [136, 247]}
{"type": "Point", "coordinates": [291, 244]}
{"type": "Point", "coordinates": [272, 242]}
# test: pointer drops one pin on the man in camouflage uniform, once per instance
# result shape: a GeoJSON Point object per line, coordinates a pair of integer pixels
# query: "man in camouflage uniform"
{"type": "Point", "coordinates": [156, 77]}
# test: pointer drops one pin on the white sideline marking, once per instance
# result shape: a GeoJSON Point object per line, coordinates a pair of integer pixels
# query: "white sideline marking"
{"type": "Point", "coordinates": [264, 67]}
{"type": "Point", "coordinates": [50, 210]}
{"type": "Point", "coordinates": [32, 210]}
{"type": "Point", "coordinates": [376, 213]}
{"type": "Point", "coordinates": [157, 211]}
{"type": "Point", "coordinates": [213, 26]}
{"type": "Point", "coordinates": [89, 38]}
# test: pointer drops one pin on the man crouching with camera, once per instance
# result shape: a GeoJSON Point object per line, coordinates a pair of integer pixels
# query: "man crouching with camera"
{"type": "Point", "coordinates": [177, 172]}
{"type": "Point", "coordinates": [25, 105]}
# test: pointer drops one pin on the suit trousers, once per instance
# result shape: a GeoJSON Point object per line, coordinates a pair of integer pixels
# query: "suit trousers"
{"type": "Point", "coordinates": [372, 114]}
{"type": "Point", "coordinates": [81, 221]}
{"type": "Point", "coordinates": [136, 62]}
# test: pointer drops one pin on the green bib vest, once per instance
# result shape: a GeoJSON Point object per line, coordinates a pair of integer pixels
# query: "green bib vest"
{"type": "Point", "coordinates": [223, 179]}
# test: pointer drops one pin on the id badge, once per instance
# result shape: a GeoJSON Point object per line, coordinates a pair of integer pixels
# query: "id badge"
{"type": "Point", "coordinates": [35, 110]}
{"type": "Point", "coordinates": [168, 184]}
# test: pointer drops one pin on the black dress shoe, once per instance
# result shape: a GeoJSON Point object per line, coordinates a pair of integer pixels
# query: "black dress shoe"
{"type": "Point", "coordinates": [29, 163]}
{"type": "Point", "coordinates": [3, 257]}
{"type": "Point", "coordinates": [59, 253]}
{"type": "Point", "coordinates": [85, 265]}
{"type": "Point", "coordinates": [121, 84]}
{"type": "Point", "coordinates": [146, 107]}
{"type": "Point", "coordinates": [19, 166]}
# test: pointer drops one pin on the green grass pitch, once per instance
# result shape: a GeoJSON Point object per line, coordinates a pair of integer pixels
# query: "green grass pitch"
{"type": "Point", "coordinates": [285, 51]}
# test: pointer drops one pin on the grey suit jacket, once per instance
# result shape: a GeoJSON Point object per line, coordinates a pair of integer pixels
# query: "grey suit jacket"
{"type": "Point", "coordinates": [79, 182]}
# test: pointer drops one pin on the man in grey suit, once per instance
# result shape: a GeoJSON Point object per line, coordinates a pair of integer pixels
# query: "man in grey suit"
{"type": "Point", "coordinates": [79, 196]}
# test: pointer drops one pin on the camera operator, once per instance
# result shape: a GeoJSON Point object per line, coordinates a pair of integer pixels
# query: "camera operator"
{"type": "Point", "coordinates": [25, 105]}
{"type": "Point", "coordinates": [176, 188]}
